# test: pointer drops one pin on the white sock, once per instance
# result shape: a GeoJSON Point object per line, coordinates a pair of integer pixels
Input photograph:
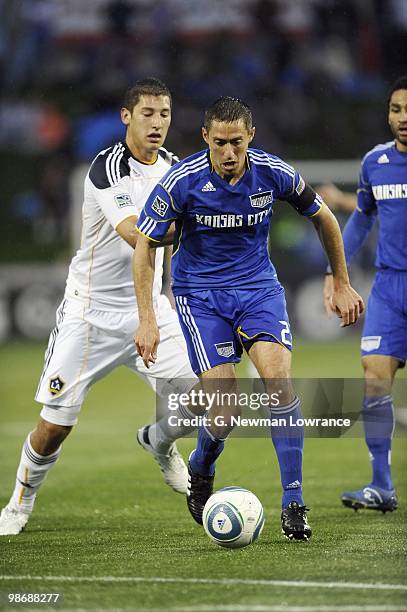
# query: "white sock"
{"type": "Point", "coordinates": [31, 473]}
{"type": "Point", "coordinates": [169, 428]}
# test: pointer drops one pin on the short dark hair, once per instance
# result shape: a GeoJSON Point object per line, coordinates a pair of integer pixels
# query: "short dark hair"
{"type": "Point", "coordinates": [145, 87]}
{"type": "Point", "coordinates": [228, 109]}
{"type": "Point", "coordinates": [401, 83]}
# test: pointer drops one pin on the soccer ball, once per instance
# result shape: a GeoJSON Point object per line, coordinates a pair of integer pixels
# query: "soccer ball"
{"type": "Point", "coordinates": [233, 517]}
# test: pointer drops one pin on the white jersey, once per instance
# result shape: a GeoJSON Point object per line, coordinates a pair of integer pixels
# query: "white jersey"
{"type": "Point", "coordinates": [116, 187]}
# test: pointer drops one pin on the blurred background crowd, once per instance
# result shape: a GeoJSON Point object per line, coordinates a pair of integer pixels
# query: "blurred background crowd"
{"type": "Point", "coordinates": [315, 72]}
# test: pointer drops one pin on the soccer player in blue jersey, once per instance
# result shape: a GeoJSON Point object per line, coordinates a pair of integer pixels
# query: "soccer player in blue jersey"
{"type": "Point", "coordinates": [226, 289]}
{"type": "Point", "coordinates": [382, 195]}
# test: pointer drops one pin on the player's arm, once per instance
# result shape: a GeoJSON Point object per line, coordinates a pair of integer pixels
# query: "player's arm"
{"type": "Point", "coordinates": [117, 205]}
{"type": "Point", "coordinates": [147, 336]}
{"type": "Point", "coordinates": [127, 230]}
{"type": "Point", "coordinates": [336, 198]}
{"type": "Point", "coordinates": [345, 301]}
{"type": "Point", "coordinates": [166, 287]}
{"type": "Point", "coordinates": [355, 232]}
{"type": "Point", "coordinates": [157, 216]}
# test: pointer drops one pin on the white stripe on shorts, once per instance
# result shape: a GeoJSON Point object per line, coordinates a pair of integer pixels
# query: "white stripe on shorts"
{"type": "Point", "coordinates": [189, 321]}
{"type": "Point", "coordinates": [52, 339]}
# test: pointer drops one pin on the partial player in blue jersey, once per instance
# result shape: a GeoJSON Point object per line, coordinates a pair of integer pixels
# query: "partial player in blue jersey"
{"type": "Point", "coordinates": [382, 195]}
{"type": "Point", "coordinates": [227, 292]}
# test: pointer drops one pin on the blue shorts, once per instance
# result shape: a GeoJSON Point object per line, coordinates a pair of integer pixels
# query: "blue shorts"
{"type": "Point", "coordinates": [218, 323]}
{"type": "Point", "coordinates": [385, 328]}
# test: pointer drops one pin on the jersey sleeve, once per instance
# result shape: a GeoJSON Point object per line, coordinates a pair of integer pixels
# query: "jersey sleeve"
{"type": "Point", "coordinates": [115, 202]}
{"type": "Point", "coordinates": [366, 201]}
{"type": "Point", "coordinates": [160, 210]}
{"type": "Point", "coordinates": [294, 190]}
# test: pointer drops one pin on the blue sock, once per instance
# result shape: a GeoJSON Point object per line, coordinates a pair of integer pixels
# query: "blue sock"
{"type": "Point", "coordinates": [378, 421]}
{"type": "Point", "coordinates": [207, 450]}
{"type": "Point", "coordinates": [289, 442]}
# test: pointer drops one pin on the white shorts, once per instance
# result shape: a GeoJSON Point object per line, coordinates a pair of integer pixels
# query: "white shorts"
{"type": "Point", "coordinates": [87, 344]}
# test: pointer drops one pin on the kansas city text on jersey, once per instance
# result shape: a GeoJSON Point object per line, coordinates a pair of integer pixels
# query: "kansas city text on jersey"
{"type": "Point", "coordinates": [205, 208]}
{"type": "Point", "coordinates": [390, 192]}
{"type": "Point", "coordinates": [229, 220]}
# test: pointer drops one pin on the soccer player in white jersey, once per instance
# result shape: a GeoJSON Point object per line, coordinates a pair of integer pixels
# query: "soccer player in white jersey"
{"type": "Point", "coordinates": [98, 315]}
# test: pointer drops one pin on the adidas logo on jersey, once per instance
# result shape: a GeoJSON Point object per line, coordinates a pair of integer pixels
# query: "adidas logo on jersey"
{"type": "Point", "coordinates": [383, 159]}
{"type": "Point", "coordinates": [208, 187]}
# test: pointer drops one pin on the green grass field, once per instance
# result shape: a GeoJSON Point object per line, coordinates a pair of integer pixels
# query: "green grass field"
{"type": "Point", "coordinates": [108, 534]}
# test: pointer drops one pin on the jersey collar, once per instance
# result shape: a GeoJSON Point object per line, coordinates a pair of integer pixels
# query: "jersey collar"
{"type": "Point", "coordinates": [129, 154]}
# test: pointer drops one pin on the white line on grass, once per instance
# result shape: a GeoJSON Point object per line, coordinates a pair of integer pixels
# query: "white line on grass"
{"type": "Point", "coordinates": [223, 581]}
{"type": "Point", "coordinates": [246, 608]}
{"type": "Point", "coordinates": [265, 608]}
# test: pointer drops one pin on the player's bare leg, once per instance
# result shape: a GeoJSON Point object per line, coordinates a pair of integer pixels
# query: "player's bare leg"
{"type": "Point", "coordinates": [40, 452]}
{"type": "Point", "coordinates": [211, 437]}
{"type": "Point", "coordinates": [378, 418]}
{"type": "Point", "coordinates": [47, 437]}
{"type": "Point", "coordinates": [273, 363]}
{"type": "Point", "coordinates": [380, 371]}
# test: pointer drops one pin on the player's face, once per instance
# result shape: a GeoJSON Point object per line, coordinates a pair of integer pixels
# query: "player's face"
{"type": "Point", "coordinates": [228, 143]}
{"type": "Point", "coordinates": [147, 125]}
{"type": "Point", "coordinates": [398, 118]}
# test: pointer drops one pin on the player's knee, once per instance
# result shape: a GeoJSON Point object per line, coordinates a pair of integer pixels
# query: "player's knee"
{"type": "Point", "coordinates": [276, 375]}
{"type": "Point", "coordinates": [371, 370]}
{"type": "Point", "coordinates": [377, 381]}
{"type": "Point", "coordinates": [47, 437]}
{"type": "Point", "coordinates": [56, 431]}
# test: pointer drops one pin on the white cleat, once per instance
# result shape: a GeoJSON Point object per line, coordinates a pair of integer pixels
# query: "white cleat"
{"type": "Point", "coordinates": [172, 465]}
{"type": "Point", "coordinates": [12, 521]}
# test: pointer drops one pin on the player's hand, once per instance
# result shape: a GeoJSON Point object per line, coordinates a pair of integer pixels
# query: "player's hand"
{"type": "Point", "coordinates": [328, 292]}
{"type": "Point", "coordinates": [347, 304]}
{"type": "Point", "coordinates": [331, 195]}
{"type": "Point", "coordinates": [147, 339]}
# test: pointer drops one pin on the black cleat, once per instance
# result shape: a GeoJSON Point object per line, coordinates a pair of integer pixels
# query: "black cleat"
{"type": "Point", "coordinates": [294, 522]}
{"type": "Point", "coordinates": [199, 490]}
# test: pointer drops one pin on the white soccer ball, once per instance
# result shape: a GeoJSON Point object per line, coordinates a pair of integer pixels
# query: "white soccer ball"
{"type": "Point", "coordinates": [233, 517]}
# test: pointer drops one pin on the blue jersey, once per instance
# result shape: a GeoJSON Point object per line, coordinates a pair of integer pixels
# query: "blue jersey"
{"type": "Point", "coordinates": [222, 229]}
{"type": "Point", "coordinates": [383, 192]}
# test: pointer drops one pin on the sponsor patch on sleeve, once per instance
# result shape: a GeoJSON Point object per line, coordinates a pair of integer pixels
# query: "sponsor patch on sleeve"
{"type": "Point", "coordinates": [159, 206]}
{"type": "Point", "coordinates": [123, 200]}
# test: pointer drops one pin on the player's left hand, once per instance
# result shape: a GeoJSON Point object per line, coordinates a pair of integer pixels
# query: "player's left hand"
{"type": "Point", "coordinates": [346, 303]}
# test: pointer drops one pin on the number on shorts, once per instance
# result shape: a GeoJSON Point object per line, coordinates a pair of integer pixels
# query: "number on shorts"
{"type": "Point", "coordinates": [285, 333]}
